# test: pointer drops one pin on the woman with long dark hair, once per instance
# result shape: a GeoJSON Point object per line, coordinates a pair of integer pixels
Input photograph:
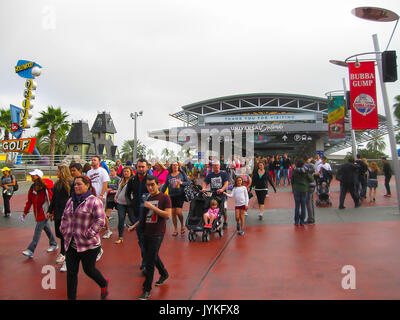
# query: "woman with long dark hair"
{"type": "Point", "coordinates": [61, 193]}
{"type": "Point", "coordinates": [260, 181]}
{"type": "Point", "coordinates": [81, 223]}
{"type": "Point", "coordinates": [176, 181]}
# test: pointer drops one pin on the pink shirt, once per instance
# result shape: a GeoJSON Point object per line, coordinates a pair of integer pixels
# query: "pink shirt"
{"type": "Point", "coordinates": [213, 211]}
{"type": "Point", "coordinates": [162, 177]}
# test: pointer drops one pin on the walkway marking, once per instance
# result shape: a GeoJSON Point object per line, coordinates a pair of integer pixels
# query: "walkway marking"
{"type": "Point", "coordinates": [211, 265]}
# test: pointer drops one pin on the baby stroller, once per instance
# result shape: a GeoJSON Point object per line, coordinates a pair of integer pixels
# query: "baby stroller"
{"type": "Point", "coordinates": [323, 189]}
{"type": "Point", "coordinates": [195, 222]}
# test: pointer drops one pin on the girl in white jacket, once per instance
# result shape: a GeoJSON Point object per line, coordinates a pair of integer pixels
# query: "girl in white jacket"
{"type": "Point", "coordinates": [241, 196]}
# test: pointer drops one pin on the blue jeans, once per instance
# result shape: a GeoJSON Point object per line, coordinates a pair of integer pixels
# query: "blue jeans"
{"type": "Point", "coordinates": [140, 236]}
{"type": "Point", "coordinates": [300, 199]}
{"type": "Point", "coordinates": [285, 176]}
{"type": "Point", "coordinates": [40, 226]}
{"type": "Point", "coordinates": [122, 211]}
{"type": "Point", "coordinates": [277, 176]}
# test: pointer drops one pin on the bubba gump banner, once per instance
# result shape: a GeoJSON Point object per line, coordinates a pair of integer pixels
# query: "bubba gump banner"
{"type": "Point", "coordinates": [364, 108]}
{"type": "Point", "coordinates": [336, 117]}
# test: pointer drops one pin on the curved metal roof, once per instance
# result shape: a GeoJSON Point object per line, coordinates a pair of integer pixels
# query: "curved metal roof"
{"type": "Point", "coordinates": [273, 102]}
{"type": "Point", "coordinates": [252, 102]}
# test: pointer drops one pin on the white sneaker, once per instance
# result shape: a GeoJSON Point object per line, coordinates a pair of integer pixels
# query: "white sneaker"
{"type": "Point", "coordinates": [246, 214]}
{"type": "Point", "coordinates": [64, 267]}
{"type": "Point", "coordinates": [100, 254]}
{"type": "Point", "coordinates": [107, 234]}
{"type": "Point", "coordinates": [60, 259]}
{"type": "Point", "coordinates": [28, 253]}
{"type": "Point", "coordinates": [52, 248]}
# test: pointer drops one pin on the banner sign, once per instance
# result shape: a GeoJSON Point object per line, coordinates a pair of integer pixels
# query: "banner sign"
{"type": "Point", "coordinates": [336, 117]}
{"type": "Point", "coordinates": [262, 118]}
{"type": "Point", "coordinates": [19, 145]}
{"type": "Point", "coordinates": [16, 130]}
{"type": "Point", "coordinates": [364, 109]}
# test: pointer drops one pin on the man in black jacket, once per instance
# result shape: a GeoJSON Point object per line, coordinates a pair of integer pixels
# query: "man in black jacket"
{"type": "Point", "coordinates": [347, 175]}
{"type": "Point", "coordinates": [136, 195]}
{"type": "Point", "coordinates": [387, 171]}
{"type": "Point", "coordinates": [361, 186]}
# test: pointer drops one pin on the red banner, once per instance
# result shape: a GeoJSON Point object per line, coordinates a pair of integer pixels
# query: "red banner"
{"type": "Point", "coordinates": [364, 108]}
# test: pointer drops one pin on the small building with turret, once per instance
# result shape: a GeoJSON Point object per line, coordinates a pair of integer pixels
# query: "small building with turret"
{"type": "Point", "coordinates": [98, 141]}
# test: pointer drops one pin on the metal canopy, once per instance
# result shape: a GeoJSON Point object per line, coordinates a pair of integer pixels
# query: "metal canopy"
{"type": "Point", "coordinates": [251, 103]}
{"type": "Point", "coordinates": [274, 102]}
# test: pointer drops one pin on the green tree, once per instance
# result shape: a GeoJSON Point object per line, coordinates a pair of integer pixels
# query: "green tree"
{"type": "Point", "coordinates": [165, 154]}
{"type": "Point", "coordinates": [52, 123]}
{"type": "Point", "coordinates": [127, 150]}
{"type": "Point", "coordinates": [396, 108]}
{"type": "Point", "coordinates": [5, 122]}
{"type": "Point", "coordinates": [376, 144]}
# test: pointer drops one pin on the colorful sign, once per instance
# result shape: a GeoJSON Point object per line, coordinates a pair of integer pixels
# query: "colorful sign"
{"type": "Point", "coordinates": [364, 109]}
{"type": "Point", "coordinates": [19, 145]}
{"type": "Point", "coordinates": [27, 69]}
{"type": "Point", "coordinates": [336, 111]}
{"type": "Point", "coordinates": [16, 129]}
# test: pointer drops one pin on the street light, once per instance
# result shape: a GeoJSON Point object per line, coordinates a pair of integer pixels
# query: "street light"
{"type": "Point", "coordinates": [384, 15]}
{"type": "Point", "coordinates": [134, 117]}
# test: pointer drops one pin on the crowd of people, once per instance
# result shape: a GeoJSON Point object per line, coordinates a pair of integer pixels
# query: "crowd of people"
{"type": "Point", "coordinates": [81, 200]}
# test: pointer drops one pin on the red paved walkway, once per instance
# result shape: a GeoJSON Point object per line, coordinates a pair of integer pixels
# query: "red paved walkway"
{"type": "Point", "coordinates": [269, 262]}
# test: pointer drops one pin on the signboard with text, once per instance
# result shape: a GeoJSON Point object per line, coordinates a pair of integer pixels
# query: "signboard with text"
{"type": "Point", "coordinates": [364, 109]}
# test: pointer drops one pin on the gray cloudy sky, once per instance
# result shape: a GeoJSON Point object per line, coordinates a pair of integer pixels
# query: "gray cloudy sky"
{"type": "Point", "coordinates": [158, 55]}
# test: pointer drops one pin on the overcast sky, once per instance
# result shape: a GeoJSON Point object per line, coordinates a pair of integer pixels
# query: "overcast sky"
{"type": "Point", "coordinates": [159, 55]}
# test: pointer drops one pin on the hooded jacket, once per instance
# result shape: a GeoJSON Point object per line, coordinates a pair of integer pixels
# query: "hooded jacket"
{"type": "Point", "coordinates": [40, 200]}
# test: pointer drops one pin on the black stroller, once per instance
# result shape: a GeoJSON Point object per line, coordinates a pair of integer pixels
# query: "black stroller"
{"type": "Point", "coordinates": [195, 222]}
{"type": "Point", "coordinates": [323, 192]}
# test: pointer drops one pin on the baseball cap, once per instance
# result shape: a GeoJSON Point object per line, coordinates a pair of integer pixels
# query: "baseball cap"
{"type": "Point", "coordinates": [6, 169]}
{"type": "Point", "coordinates": [36, 172]}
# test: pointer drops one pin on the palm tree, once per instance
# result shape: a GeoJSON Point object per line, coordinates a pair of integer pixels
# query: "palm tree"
{"type": "Point", "coordinates": [376, 144]}
{"type": "Point", "coordinates": [52, 122]}
{"type": "Point", "coordinates": [165, 153]}
{"type": "Point", "coordinates": [5, 122]}
{"type": "Point", "coordinates": [150, 153]}
{"type": "Point", "coordinates": [396, 108]}
{"type": "Point", "coordinates": [127, 149]}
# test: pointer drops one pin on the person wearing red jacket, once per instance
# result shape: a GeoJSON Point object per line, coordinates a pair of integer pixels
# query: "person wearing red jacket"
{"type": "Point", "coordinates": [39, 196]}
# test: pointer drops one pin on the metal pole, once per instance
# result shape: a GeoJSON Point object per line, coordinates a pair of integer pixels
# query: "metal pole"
{"type": "Point", "coordinates": [389, 123]}
{"type": "Point", "coordinates": [353, 134]}
{"type": "Point", "coordinates": [135, 141]}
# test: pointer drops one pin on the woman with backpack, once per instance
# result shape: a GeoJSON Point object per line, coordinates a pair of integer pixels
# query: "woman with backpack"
{"type": "Point", "coordinates": [8, 182]}
{"type": "Point", "coordinates": [39, 197]}
{"type": "Point", "coordinates": [176, 182]}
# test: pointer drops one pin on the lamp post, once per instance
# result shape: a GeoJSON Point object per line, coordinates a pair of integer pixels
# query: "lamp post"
{"type": "Point", "coordinates": [134, 117]}
{"type": "Point", "coordinates": [383, 15]}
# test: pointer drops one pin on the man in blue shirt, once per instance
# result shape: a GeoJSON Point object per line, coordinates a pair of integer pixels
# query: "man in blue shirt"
{"type": "Point", "coordinates": [218, 181]}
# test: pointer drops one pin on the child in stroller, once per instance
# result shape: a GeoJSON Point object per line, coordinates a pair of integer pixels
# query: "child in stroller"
{"type": "Point", "coordinates": [323, 192]}
{"type": "Point", "coordinates": [211, 214]}
{"type": "Point", "coordinates": [195, 221]}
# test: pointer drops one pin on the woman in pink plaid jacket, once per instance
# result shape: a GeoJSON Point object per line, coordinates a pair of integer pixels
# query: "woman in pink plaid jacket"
{"type": "Point", "coordinates": [81, 223]}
